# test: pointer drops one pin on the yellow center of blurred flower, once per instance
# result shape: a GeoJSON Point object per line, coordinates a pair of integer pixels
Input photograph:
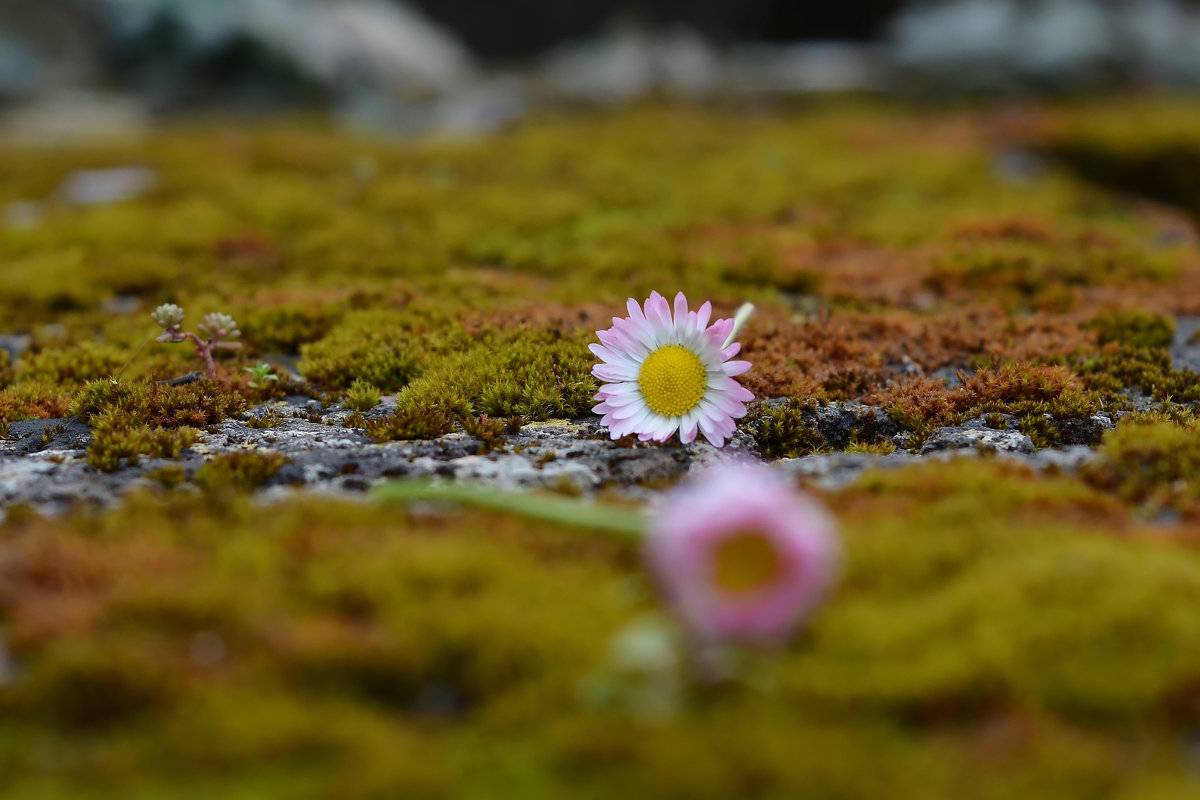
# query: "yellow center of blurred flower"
{"type": "Point", "coordinates": [672, 380]}
{"type": "Point", "coordinates": [745, 562]}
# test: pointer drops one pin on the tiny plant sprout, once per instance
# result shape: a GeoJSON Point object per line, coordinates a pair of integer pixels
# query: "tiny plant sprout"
{"type": "Point", "coordinates": [741, 556]}
{"type": "Point", "coordinates": [261, 376]}
{"type": "Point", "coordinates": [215, 331]}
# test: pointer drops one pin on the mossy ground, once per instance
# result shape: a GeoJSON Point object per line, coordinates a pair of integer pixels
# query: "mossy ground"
{"type": "Point", "coordinates": [983, 640]}
{"type": "Point", "coordinates": [997, 632]}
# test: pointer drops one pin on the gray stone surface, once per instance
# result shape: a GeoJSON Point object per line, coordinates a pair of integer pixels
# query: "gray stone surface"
{"type": "Point", "coordinates": [1185, 346]}
{"type": "Point", "coordinates": [962, 438]}
{"type": "Point", "coordinates": [43, 462]}
{"type": "Point", "coordinates": [97, 187]}
{"type": "Point", "coordinates": [1059, 44]}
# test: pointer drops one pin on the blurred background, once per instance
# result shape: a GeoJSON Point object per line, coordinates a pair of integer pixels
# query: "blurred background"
{"type": "Point", "coordinates": [473, 66]}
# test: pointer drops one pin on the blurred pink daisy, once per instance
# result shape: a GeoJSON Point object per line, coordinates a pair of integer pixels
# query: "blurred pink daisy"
{"type": "Point", "coordinates": [665, 374]}
{"type": "Point", "coordinates": [742, 556]}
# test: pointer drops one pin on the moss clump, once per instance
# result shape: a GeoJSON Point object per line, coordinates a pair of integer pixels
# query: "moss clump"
{"type": "Point", "coordinates": [117, 438]}
{"type": "Point", "coordinates": [94, 692]}
{"type": "Point", "coordinates": [1039, 270]}
{"type": "Point", "coordinates": [796, 428]}
{"type": "Point", "coordinates": [377, 348]}
{"type": "Point", "coordinates": [1133, 329]}
{"type": "Point", "coordinates": [269, 419]}
{"type": "Point", "coordinates": [286, 328]}
{"type": "Point", "coordinates": [33, 400]}
{"type": "Point", "coordinates": [490, 432]}
{"type": "Point", "coordinates": [169, 476]}
{"type": "Point", "coordinates": [1042, 398]}
{"type": "Point", "coordinates": [296, 647]}
{"type": "Point", "coordinates": [786, 431]}
{"type": "Point", "coordinates": [918, 406]}
{"type": "Point", "coordinates": [1150, 462]}
{"type": "Point", "coordinates": [986, 614]}
{"type": "Point", "coordinates": [880, 448]}
{"type": "Point", "coordinates": [361, 396]}
{"type": "Point", "coordinates": [242, 471]}
{"type": "Point", "coordinates": [533, 374]}
{"type": "Point", "coordinates": [73, 365]}
{"type": "Point", "coordinates": [199, 404]}
{"type": "Point", "coordinates": [428, 423]}
{"type": "Point", "coordinates": [1149, 371]}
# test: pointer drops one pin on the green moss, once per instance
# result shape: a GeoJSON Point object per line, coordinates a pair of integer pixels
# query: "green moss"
{"type": "Point", "coordinates": [1133, 329]}
{"type": "Point", "coordinates": [786, 431]}
{"type": "Point", "coordinates": [1039, 271]}
{"type": "Point", "coordinates": [533, 374]}
{"type": "Point", "coordinates": [979, 642]}
{"type": "Point", "coordinates": [118, 440]}
{"type": "Point", "coordinates": [6, 369]}
{"type": "Point", "coordinates": [286, 328]}
{"type": "Point", "coordinates": [1161, 161]}
{"type": "Point", "coordinates": [269, 419]}
{"type": "Point", "coordinates": [71, 366]}
{"type": "Point", "coordinates": [376, 348]}
{"type": "Point", "coordinates": [33, 400]}
{"type": "Point", "coordinates": [199, 404]}
{"type": "Point", "coordinates": [490, 432]}
{"type": "Point", "coordinates": [881, 448]}
{"type": "Point", "coordinates": [1150, 371]}
{"type": "Point", "coordinates": [1150, 462]}
{"type": "Point", "coordinates": [168, 477]}
{"type": "Point", "coordinates": [428, 423]}
{"type": "Point", "coordinates": [361, 396]}
{"type": "Point", "coordinates": [240, 471]}
{"type": "Point", "coordinates": [91, 691]}
{"type": "Point", "coordinates": [242, 645]}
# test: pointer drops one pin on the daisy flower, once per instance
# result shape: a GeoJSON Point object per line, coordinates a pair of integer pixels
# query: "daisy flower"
{"type": "Point", "coordinates": [741, 555]}
{"type": "Point", "coordinates": [667, 373]}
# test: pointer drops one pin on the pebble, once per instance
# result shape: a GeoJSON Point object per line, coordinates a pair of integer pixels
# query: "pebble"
{"type": "Point", "coordinates": [96, 187]}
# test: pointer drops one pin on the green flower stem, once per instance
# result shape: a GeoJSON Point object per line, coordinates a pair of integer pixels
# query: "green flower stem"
{"type": "Point", "coordinates": [621, 523]}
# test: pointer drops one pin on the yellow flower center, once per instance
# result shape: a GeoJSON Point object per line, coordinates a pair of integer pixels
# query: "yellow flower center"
{"type": "Point", "coordinates": [745, 562]}
{"type": "Point", "coordinates": [672, 380]}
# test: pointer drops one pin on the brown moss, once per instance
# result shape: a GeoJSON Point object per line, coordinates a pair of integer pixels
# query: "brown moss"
{"type": "Point", "coordinates": [33, 400]}
{"type": "Point", "coordinates": [857, 354]}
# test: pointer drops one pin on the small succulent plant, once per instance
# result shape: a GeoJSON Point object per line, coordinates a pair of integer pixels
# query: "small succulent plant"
{"type": "Point", "coordinates": [215, 331]}
{"type": "Point", "coordinates": [168, 315]}
{"type": "Point", "coordinates": [217, 326]}
{"type": "Point", "coordinates": [260, 375]}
